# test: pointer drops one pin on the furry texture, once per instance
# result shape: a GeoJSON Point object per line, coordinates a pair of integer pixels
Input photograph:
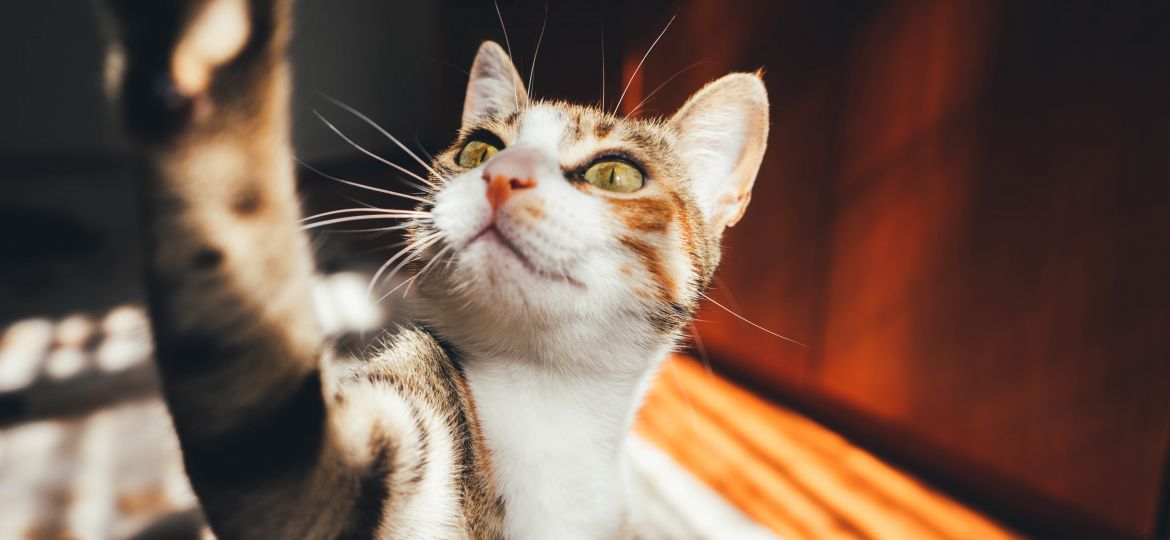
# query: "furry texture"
{"type": "Point", "coordinates": [547, 302]}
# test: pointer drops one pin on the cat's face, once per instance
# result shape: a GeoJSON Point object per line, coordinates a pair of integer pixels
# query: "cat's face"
{"type": "Point", "coordinates": [562, 225]}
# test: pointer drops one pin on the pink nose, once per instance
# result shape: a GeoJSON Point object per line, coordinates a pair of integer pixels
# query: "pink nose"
{"type": "Point", "coordinates": [510, 171]}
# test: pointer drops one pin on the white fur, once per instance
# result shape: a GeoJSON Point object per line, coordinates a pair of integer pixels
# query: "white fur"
{"type": "Point", "coordinates": [550, 311]}
{"type": "Point", "coordinates": [556, 439]}
{"type": "Point", "coordinates": [557, 346]}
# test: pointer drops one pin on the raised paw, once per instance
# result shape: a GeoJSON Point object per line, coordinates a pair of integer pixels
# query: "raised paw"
{"type": "Point", "coordinates": [169, 56]}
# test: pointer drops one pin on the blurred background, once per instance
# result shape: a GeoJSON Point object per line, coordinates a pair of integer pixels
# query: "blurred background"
{"type": "Point", "coordinates": [964, 212]}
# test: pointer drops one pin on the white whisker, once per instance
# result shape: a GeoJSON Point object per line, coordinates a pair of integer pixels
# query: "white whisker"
{"type": "Point", "coordinates": [362, 149]}
{"type": "Point", "coordinates": [387, 134]}
{"type": "Point", "coordinates": [372, 230]}
{"type": "Point", "coordinates": [399, 286]}
{"type": "Point", "coordinates": [744, 319]}
{"type": "Point", "coordinates": [508, 44]}
{"type": "Point", "coordinates": [374, 280]}
{"type": "Point", "coordinates": [423, 149]}
{"type": "Point", "coordinates": [363, 186]}
{"type": "Point", "coordinates": [450, 65]}
{"type": "Point", "coordinates": [372, 210]}
{"type": "Point", "coordinates": [638, 107]}
{"type": "Point", "coordinates": [308, 226]}
{"type": "Point", "coordinates": [639, 66]}
{"type": "Point", "coordinates": [414, 256]}
{"type": "Point", "coordinates": [419, 187]}
{"type": "Point", "coordinates": [356, 201]}
{"type": "Point", "coordinates": [602, 107]}
{"type": "Point", "coordinates": [532, 68]}
{"type": "Point", "coordinates": [427, 266]}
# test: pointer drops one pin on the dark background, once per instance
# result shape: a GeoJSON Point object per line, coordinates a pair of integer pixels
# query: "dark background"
{"type": "Point", "coordinates": [963, 210]}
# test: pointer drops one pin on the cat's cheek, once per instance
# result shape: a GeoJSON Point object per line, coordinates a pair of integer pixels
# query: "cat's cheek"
{"type": "Point", "coordinates": [461, 210]}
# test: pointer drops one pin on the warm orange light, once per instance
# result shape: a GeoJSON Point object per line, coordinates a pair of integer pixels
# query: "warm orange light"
{"type": "Point", "coordinates": [789, 473]}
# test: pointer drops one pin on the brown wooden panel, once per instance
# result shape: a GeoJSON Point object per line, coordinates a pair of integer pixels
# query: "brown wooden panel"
{"type": "Point", "coordinates": [964, 212]}
{"type": "Point", "coordinates": [987, 286]}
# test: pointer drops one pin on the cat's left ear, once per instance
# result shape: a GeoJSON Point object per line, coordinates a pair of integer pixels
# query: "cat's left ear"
{"type": "Point", "coordinates": [723, 130]}
{"type": "Point", "coordinates": [494, 88]}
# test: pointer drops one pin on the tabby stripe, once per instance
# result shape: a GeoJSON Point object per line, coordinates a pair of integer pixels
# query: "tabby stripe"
{"type": "Point", "coordinates": [285, 440]}
{"type": "Point", "coordinates": [451, 373]}
{"type": "Point", "coordinates": [424, 441]}
{"type": "Point", "coordinates": [373, 493]}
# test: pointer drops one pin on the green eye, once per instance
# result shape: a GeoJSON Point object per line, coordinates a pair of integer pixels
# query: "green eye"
{"type": "Point", "coordinates": [615, 175]}
{"type": "Point", "coordinates": [476, 153]}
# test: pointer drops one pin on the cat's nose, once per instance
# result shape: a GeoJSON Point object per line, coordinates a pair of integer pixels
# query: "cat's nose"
{"type": "Point", "coordinates": [509, 171]}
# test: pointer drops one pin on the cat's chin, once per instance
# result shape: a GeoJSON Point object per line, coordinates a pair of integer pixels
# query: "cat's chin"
{"type": "Point", "coordinates": [492, 251]}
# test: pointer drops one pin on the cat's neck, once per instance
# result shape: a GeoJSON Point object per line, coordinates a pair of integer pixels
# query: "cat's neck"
{"type": "Point", "coordinates": [556, 438]}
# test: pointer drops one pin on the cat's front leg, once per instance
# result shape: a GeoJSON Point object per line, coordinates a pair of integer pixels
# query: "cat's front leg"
{"type": "Point", "coordinates": [203, 87]}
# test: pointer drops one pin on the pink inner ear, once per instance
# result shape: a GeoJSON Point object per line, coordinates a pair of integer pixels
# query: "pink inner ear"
{"type": "Point", "coordinates": [723, 130]}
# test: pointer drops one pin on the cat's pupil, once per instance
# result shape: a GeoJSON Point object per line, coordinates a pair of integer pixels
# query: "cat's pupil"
{"type": "Point", "coordinates": [475, 154]}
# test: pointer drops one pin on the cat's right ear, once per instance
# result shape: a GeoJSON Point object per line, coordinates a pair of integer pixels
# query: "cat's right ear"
{"type": "Point", "coordinates": [495, 88]}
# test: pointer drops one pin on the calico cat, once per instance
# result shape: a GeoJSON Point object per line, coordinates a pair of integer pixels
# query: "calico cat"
{"type": "Point", "coordinates": [562, 249]}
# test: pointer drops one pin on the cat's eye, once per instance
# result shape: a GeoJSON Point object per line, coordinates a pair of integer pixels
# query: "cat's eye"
{"type": "Point", "coordinates": [615, 175]}
{"type": "Point", "coordinates": [476, 153]}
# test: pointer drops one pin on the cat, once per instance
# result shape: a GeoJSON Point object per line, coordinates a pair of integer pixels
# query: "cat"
{"type": "Point", "coordinates": [561, 249]}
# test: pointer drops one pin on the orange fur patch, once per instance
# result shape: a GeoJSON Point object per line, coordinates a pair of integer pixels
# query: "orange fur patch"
{"type": "Point", "coordinates": [652, 261]}
{"type": "Point", "coordinates": [645, 214]}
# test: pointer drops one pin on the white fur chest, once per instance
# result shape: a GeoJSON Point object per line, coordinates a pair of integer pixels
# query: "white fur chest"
{"type": "Point", "coordinates": [556, 445]}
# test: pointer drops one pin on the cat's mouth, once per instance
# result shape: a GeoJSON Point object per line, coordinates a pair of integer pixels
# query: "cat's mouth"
{"type": "Point", "coordinates": [493, 235]}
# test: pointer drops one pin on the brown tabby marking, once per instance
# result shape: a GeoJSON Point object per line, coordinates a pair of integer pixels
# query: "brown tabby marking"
{"type": "Point", "coordinates": [651, 259]}
{"type": "Point", "coordinates": [603, 128]}
{"type": "Point", "coordinates": [652, 215]}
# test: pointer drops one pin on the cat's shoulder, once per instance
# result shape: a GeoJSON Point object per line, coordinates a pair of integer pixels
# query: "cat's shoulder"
{"type": "Point", "coordinates": [411, 358]}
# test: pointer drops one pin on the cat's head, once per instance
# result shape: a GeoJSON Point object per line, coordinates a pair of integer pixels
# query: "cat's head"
{"type": "Point", "coordinates": [564, 225]}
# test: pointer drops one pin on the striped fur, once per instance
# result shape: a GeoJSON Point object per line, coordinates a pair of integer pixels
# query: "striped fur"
{"type": "Point", "coordinates": [503, 412]}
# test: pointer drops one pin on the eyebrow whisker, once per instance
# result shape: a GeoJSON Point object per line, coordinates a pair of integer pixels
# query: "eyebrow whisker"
{"type": "Point", "coordinates": [508, 43]}
{"type": "Point", "coordinates": [642, 61]}
{"type": "Point", "coordinates": [532, 68]}
{"type": "Point", "coordinates": [638, 107]}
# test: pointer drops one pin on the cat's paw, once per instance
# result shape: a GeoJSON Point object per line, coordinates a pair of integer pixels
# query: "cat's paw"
{"type": "Point", "coordinates": [166, 56]}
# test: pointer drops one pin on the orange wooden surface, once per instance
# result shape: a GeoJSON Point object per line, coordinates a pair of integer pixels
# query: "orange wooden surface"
{"type": "Point", "coordinates": [789, 473]}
